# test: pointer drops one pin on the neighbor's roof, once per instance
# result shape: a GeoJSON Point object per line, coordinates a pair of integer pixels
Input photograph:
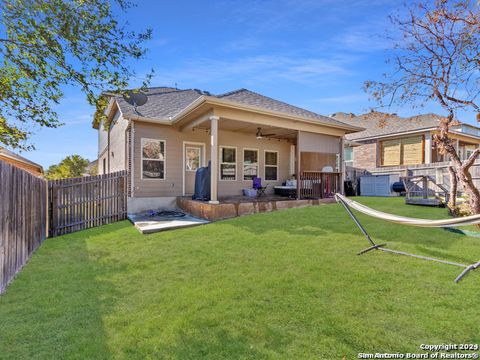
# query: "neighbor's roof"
{"type": "Point", "coordinates": [8, 154]}
{"type": "Point", "coordinates": [379, 124]}
{"type": "Point", "coordinates": [166, 103]}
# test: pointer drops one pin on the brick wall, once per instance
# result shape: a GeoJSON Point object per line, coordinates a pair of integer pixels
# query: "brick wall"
{"type": "Point", "coordinates": [365, 156]}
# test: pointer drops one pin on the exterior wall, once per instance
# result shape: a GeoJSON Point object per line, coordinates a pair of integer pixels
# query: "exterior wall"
{"type": "Point", "coordinates": [310, 142]}
{"type": "Point", "coordinates": [365, 156]}
{"type": "Point", "coordinates": [112, 146]}
{"type": "Point", "coordinates": [34, 170]}
{"type": "Point", "coordinates": [102, 139]}
{"type": "Point", "coordinates": [173, 183]}
{"type": "Point", "coordinates": [117, 161]}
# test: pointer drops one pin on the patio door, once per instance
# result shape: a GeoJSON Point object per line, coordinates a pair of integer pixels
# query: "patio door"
{"type": "Point", "coordinates": [193, 158]}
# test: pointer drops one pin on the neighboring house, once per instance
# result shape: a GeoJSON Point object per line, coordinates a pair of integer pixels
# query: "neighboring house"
{"type": "Point", "coordinates": [92, 168]}
{"type": "Point", "coordinates": [392, 144]}
{"type": "Point", "coordinates": [20, 162]}
{"type": "Point", "coordinates": [242, 133]}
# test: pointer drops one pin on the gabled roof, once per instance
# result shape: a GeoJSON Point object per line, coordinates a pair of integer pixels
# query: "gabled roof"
{"type": "Point", "coordinates": [165, 103]}
{"type": "Point", "coordinates": [379, 124]}
{"type": "Point", "coordinates": [8, 154]}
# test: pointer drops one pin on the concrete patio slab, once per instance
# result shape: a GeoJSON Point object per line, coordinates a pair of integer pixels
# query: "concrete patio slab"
{"type": "Point", "coordinates": [150, 224]}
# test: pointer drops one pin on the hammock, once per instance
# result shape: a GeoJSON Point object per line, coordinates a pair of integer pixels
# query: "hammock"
{"type": "Point", "coordinates": [455, 222]}
{"type": "Point", "coordinates": [464, 221]}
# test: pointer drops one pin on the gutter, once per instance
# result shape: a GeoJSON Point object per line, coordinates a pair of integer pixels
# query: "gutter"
{"type": "Point", "coordinates": [373, 137]}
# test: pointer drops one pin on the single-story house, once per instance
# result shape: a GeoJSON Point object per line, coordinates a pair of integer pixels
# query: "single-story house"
{"type": "Point", "coordinates": [393, 144]}
{"type": "Point", "coordinates": [242, 133]}
{"type": "Point", "coordinates": [20, 162]}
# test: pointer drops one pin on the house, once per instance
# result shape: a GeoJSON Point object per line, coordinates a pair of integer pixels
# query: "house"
{"type": "Point", "coordinates": [242, 133]}
{"type": "Point", "coordinates": [391, 144]}
{"type": "Point", "coordinates": [20, 162]}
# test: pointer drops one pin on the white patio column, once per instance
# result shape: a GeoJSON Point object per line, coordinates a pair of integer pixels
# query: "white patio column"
{"type": "Point", "coordinates": [428, 148]}
{"type": "Point", "coordinates": [214, 159]}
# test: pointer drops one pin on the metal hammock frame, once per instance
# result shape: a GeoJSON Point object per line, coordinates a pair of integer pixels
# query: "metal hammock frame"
{"type": "Point", "coordinates": [346, 203]}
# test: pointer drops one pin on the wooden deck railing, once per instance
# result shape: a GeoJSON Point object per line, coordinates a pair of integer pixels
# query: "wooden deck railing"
{"type": "Point", "coordinates": [317, 184]}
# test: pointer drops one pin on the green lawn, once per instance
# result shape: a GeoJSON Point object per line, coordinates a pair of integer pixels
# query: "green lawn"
{"type": "Point", "coordinates": [286, 285]}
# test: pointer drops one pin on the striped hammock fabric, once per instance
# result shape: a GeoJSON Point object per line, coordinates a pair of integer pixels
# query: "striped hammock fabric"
{"type": "Point", "coordinates": [455, 222]}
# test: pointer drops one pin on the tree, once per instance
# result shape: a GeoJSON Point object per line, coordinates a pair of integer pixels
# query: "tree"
{"type": "Point", "coordinates": [71, 166]}
{"type": "Point", "coordinates": [437, 59]}
{"type": "Point", "coordinates": [46, 45]}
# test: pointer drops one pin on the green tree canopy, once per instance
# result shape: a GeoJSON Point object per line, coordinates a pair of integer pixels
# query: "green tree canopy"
{"type": "Point", "coordinates": [46, 45]}
{"type": "Point", "coordinates": [71, 166]}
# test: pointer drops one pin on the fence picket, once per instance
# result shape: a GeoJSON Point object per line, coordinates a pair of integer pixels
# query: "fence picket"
{"type": "Point", "coordinates": [86, 202]}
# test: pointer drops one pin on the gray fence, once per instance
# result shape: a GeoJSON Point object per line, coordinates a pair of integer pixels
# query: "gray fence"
{"type": "Point", "coordinates": [23, 219]}
{"type": "Point", "coordinates": [82, 203]}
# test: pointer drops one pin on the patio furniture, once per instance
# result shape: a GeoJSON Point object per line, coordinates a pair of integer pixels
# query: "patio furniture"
{"type": "Point", "coordinates": [288, 188]}
{"type": "Point", "coordinates": [257, 185]}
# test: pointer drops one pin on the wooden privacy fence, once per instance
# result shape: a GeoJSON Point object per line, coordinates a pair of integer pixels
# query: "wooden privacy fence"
{"type": "Point", "coordinates": [317, 184]}
{"type": "Point", "coordinates": [81, 203]}
{"type": "Point", "coordinates": [23, 219]}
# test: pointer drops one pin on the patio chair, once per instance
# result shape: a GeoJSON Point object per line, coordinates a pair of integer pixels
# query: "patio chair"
{"type": "Point", "coordinates": [257, 185]}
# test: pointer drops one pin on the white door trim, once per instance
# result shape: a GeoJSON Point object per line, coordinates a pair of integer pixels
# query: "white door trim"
{"type": "Point", "coordinates": [203, 162]}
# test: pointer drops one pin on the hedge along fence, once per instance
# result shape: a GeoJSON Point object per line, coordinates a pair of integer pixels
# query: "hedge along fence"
{"type": "Point", "coordinates": [23, 219]}
{"type": "Point", "coordinates": [31, 208]}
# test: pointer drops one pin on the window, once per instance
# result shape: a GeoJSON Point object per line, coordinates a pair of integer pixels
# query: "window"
{"type": "Point", "coordinates": [250, 164]}
{"type": "Point", "coordinates": [104, 166]}
{"type": "Point", "coordinates": [153, 159]}
{"type": "Point", "coordinates": [192, 158]}
{"type": "Point", "coordinates": [271, 165]}
{"type": "Point", "coordinates": [228, 163]}
{"type": "Point", "coordinates": [405, 151]}
{"type": "Point", "coordinates": [348, 153]}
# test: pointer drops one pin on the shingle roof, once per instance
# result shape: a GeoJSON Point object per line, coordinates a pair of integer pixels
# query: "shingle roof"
{"type": "Point", "coordinates": [162, 103]}
{"type": "Point", "coordinates": [379, 123]}
{"type": "Point", "coordinates": [17, 157]}
{"type": "Point", "coordinates": [166, 103]}
{"type": "Point", "coordinates": [247, 97]}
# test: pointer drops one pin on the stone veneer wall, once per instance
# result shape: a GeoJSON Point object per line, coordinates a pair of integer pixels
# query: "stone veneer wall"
{"type": "Point", "coordinates": [222, 211]}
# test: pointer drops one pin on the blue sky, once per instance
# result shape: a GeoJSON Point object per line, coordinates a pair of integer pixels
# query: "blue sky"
{"type": "Point", "coordinates": [313, 54]}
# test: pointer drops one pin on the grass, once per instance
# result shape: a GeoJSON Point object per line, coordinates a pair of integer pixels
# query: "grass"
{"type": "Point", "coordinates": [281, 285]}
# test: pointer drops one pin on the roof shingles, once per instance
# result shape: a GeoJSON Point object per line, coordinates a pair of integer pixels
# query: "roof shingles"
{"type": "Point", "coordinates": [378, 123]}
{"type": "Point", "coordinates": [165, 103]}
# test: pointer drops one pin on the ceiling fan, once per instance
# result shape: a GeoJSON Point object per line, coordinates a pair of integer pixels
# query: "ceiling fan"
{"type": "Point", "coordinates": [260, 135]}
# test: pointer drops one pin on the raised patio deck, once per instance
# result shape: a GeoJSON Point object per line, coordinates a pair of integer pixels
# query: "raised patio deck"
{"type": "Point", "coordinates": [233, 206]}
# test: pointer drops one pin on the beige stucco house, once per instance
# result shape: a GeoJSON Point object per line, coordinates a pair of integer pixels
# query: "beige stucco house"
{"type": "Point", "coordinates": [244, 134]}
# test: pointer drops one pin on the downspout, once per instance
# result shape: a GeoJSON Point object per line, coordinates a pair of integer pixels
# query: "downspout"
{"type": "Point", "coordinates": [132, 156]}
{"type": "Point", "coordinates": [108, 151]}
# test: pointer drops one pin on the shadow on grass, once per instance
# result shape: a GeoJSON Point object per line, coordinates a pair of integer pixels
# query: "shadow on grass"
{"type": "Point", "coordinates": [56, 306]}
{"type": "Point", "coordinates": [323, 221]}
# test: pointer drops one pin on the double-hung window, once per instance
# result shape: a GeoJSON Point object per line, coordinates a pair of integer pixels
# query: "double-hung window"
{"type": "Point", "coordinates": [228, 163]}
{"type": "Point", "coordinates": [250, 164]}
{"type": "Point", "coordinates": [153, 159]}
{"type": "Point", "coordinates": [271, 165]}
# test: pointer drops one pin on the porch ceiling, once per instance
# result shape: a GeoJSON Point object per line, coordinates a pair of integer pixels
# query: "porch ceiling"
{"type": "Point", "coordinates": [249, 128]}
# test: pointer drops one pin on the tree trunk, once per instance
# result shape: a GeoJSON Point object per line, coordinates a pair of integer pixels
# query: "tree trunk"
{"type": "Point", "coordinates": [463, 173]}
{"type": "Point", "coordinates": [462, 170]}
{"type": "Point", "coordinates": [452, 200]}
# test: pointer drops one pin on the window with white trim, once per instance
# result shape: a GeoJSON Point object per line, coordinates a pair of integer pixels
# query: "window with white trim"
{"type": "Point", "coordinates": [271, 165]}
{"type": "Point", "coordinates": [153, 159]}
{"type": "Point", "coordinates": [250, 164]}
{"type": "Point", "coordinates": [228, 163]}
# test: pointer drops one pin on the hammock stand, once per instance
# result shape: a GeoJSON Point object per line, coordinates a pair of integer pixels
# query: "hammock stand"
{"type": "Point", "coordinates": [409, 221]}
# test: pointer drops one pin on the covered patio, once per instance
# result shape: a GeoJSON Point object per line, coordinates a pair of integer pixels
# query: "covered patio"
{"type": "Point", "coordinates": [309, 153]}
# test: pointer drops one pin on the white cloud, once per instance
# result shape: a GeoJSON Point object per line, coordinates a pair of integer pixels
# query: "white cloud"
{"type": "Point", "coordinates": [266, 68]}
